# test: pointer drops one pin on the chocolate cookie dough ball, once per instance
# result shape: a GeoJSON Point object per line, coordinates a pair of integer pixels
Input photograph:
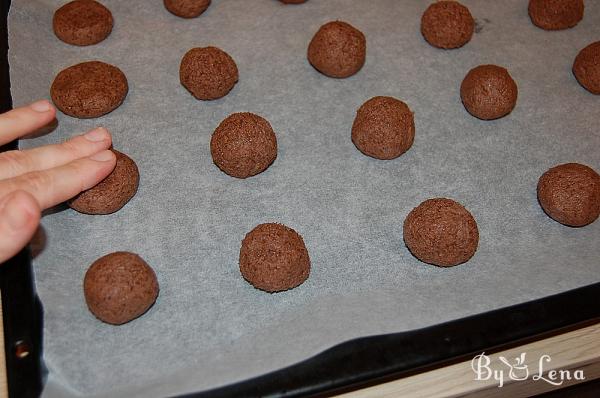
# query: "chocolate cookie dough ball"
{"type": "Point", "coordinates": [293, 1]}
{"type": "Point", "coordinates": [441, 232]}
{"type": "Point", "coordinates": [273, 258]}
{"type": "Point", "coordinates": [89, 89]}
{"type": "Point", "coordinates": [337, 49]}
{"type": "Point", "coordinates": [112, 193]}
{"type": "Point", "coordinates": [488, 92]}
{"type": "Point", "coordinates": [570, 194]}
{"type": "Point", "coordinates": [243, 145]}
{"type": "Point", "coordinates": [555, 14]}
{"type": "Point", "coordinates": [82, 22]}
{"type": "Point", "coordinates": [384, 128]}
{"type": "Point", "coordinates": [447, 24]}
{"type": "Point", "coordinates": [119, 287]}
{"type": "Point", "coordinates": [187, 8]}
{"type": "Point", "coordinates": [586, 68]}
{"type": "Point", "coordinates": [208, 73]}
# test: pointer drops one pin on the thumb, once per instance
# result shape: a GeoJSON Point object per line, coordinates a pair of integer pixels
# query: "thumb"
{"type": "Point", "coordinates": [19, 217]}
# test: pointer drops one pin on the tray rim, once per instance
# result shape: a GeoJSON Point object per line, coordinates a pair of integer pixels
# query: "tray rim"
{"type": "Point", "coordinates": [371, 360]}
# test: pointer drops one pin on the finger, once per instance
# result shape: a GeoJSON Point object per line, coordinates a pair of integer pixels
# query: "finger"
{"type": "Point", "coordinates": [15, 163]}
{"type": "Point", "coordinates": [25, 120]}
{"type": "Point", "coordinates": [19, 218]}
{"type": "Point", "coordinates": [53, 186]}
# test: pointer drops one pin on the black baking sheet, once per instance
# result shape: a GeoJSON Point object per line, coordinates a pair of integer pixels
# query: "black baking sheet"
{"type": "Point", "coordinates": [359, 375]}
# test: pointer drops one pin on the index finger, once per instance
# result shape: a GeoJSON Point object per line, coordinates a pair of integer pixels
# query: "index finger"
{"type": "Point", "coordinates": [53, 186]}
{"type": "Point", "coordinates": [25, 120]}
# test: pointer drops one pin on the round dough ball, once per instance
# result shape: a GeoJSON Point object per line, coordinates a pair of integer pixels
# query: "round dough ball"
{"type": "Point", "coordinates": [112, 193]}
{"type": "Point", "coordinates": [441, 232]}
{"type": "Point", "coordinates": [555, 14]}
{"type": "Point", "coordinates": [488, 92]}
{"type": "Point", "coordinates": [243, 145]}
{"type": "Point", "coordinates": [293, 1]}
{"type": "Point", "coordinates": [384, 128]}
{"type": "Point", "coordinates": [447, 24]}
{"type": "Point", "coordinates": [338, 50]}
{"type": "Point", "coordinates": [570, 194]}
{"type": "Point", "coordinates": [82, 22]}
{"type": "Point", "coordinates": [273, 258]}
{"type": "Point", "coordinates": [186, 8]}
{"type": "Point", "coordinates": [208, 73]}
{"type": "Point", "coordinates": [119, 287]}
{"type": "Point", "coordinates": [586, 68]}
{"type": "Point", "coordinates": [89, 89]}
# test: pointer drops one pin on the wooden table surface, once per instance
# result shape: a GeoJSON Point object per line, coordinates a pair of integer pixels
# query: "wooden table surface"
{"type": "Point", "coordinates": [575, 350]}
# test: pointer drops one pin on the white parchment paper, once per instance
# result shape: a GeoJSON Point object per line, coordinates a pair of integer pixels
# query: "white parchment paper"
{"type": "Point", "coordinates": [209, 327]}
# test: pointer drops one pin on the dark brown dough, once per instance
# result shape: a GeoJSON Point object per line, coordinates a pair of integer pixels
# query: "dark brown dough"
{"type": "Point", "coordinates": [384, 128]}
{"type": "Point", "coordinates": [208, 73]}
{"type": "Point", "coordinates": [586, 68]}
{"type": "Point", "coordinates": [441, 232]}
{"type": "Point", "coordinates": [243, 145]}
{"type": "Point", "coordinates": [186, 8]}
{"type": "Point", "coordinates": [89, 89]}
{"type": "Point", "coordinates": [274, 258]}
{"type": "Point", "coordinates": [293, 1]}
{"type": "Point", "coordinates": [447, 24]}
{"type": "Point", "coordinates": [119, 287]}
{"type": "Point", "coordinates": [570, 194]}
{"type": "Point", "coordinates": [488, 92]}
{"type": "Point", "coordinates": [338, 50]}
{"type": "Point", "coordinates": [555, 14]}
{"type": "Point", "coordinates": [112, 193]}
{"type": "Point", "coordinates": [82, 22]}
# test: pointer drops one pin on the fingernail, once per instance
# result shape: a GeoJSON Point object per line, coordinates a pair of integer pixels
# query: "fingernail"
{"type": "Point", "coordinates": [16, 216]}
{"type": "Point", "coordinates": [41, 106]}
{"type": "Point", "coordinates": [96, 135]}
{"type": "Point", "coordinates": [103, 156]}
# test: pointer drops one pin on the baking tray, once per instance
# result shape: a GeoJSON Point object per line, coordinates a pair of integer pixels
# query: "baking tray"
{"type": "Point", "coordinates": [21, 309]}
{"type": "Point", "coordinates": [353, 363]}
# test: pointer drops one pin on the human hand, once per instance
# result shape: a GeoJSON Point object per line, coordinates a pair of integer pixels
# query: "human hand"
{"type": "Point", "coordinates": [35, 179]}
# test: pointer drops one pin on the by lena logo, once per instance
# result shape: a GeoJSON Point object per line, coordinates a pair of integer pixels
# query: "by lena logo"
{"type": "Point", "coordinates": [518, 370]}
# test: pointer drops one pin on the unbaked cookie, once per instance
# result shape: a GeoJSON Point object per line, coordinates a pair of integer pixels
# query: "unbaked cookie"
{"type": "Point", "coordinates": [243, 145]}
{"type": "Point", "coordinates": [338, 49]}
{"type": "Point", "coordinates": [586, 68]}
{"type": "Point", "coordinates": [447, 24]}
{"type": "Point", "coordinates": [441, 232]}
{"type": "Point", "coordinates": [274, 258]}
{"type": "Point", "coordinates": [489, 92]}
{"type": "Point", "coordinates": [555, 14]}
{"type": "Point", "coordinates": [187, 8]}
{"type": "Point", "coordinates": [208, 73]}
{"type": "Point", "coordinates": [120, 287]}
{"type": "Point", "coordinates": [82, 22]}
{"type": "Point", "coordinates": [112, 193]}
{"type": "Point", "coordinates": [89, 89]}
{"type": "Point", "coordinates": [384, 128]}
{"type": "Point", "coordinates": [570, 194]}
